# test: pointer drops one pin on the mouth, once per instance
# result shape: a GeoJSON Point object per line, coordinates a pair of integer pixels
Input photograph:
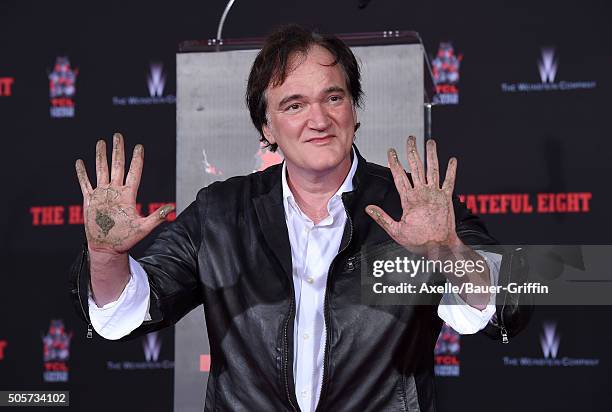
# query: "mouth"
{"type": "Point", "coordinates": [320, 140]}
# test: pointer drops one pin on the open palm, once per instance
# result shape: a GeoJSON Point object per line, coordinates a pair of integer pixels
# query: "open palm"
{"type": "Point", "coordinates": [112, 222]}
{"type": "Point", "coordinates": [428, 219]}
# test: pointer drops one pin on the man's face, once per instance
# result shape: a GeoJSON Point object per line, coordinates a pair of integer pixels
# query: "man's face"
{"type": "Point", "coordinates": [311, 115]}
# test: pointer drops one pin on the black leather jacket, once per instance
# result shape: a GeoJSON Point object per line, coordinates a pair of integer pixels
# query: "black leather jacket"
{"type": "Point", "coordinates": [229, 250]}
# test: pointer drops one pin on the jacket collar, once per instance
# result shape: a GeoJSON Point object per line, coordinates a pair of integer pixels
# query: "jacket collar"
{"type": "Point", "coordinates": [346, 186]}
{"type": "Point", "coordinates": [271, 213]}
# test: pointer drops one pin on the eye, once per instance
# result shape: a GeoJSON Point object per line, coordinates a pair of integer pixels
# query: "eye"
{"type": "Point", "coordinates": [335, 98]}
{"type": "Point", "coordinates": [293, 107]}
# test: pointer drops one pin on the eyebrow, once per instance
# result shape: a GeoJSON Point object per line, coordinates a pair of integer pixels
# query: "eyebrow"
{"type": "Point", "coordinates": [334, 89]}
{"type": "Point", "coordinates": [290, 98]}
{"type": "Point", "coordinates": [331, 89]}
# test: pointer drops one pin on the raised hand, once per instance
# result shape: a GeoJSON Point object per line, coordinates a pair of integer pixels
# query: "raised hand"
{"type": "Point", "coordinates": [112, 222]}
{"type": "Point", "coordinates": [428, 219]}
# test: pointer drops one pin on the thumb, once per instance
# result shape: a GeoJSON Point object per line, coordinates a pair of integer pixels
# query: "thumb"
{"type": "Point", "coordinates": [158, 217]}
{"type": "Point", "coordinates": [383, 219]}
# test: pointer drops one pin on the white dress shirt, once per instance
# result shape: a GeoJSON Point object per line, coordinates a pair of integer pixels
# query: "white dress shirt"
{"type": "Point", "coordinates": [313, 247]}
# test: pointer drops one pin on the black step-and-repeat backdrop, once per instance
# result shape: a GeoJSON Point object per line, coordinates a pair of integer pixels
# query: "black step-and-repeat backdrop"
{"type": "Point", "coordinates": [523, 93]}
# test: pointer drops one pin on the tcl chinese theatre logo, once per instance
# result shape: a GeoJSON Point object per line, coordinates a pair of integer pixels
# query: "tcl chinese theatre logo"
{"type": "Point", "coordinates": [62, 88]}
{"type": "Point", "coordinates": [445, 68]}
{"type": "Point", "coordinates": [56, 352]}
{"type": "Point", "coordinates": [446, 352]}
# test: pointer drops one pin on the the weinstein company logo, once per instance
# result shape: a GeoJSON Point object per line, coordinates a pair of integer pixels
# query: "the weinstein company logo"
{"type": "Point", "coordinates": [550, 340]}
{"type": "Point", "coordinates": [446, 352]}
{"type": "Point", "coordinates": [547, 65]}
{"type": "Point", "coordinates": [156, 83]}
{"type": "Point", "coordinates": [151, 346]}
{"type": "Point", "coordinates": [445, 68]}
{"type": "Point", "coordinates": [156, 80]}
{"type": "Point", "coordinates": [62, 88]}
{"type": "Point", "coordinates": [56, 352]}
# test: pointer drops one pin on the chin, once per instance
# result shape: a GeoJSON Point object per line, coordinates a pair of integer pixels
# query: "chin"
{"type": "Point", "coordinates": [326, 161]}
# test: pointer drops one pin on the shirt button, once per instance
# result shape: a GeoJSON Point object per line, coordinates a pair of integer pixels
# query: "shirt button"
{"type": "Point", "coordinates": [304, 394]}
{"type": "Point", "coordinates": [310, 280]}
{"type": "Point", "coordinates": [306, 336]}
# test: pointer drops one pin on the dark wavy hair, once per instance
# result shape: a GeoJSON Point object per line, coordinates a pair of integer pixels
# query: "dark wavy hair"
{"type": "Point", "coordinates": [271, 68]}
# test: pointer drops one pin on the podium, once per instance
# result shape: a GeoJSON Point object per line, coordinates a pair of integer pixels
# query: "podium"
{"type": "Point", "coordinates": [216, 139]}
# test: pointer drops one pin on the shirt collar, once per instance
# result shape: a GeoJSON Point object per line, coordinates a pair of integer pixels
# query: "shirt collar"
{"type": "Point", "coordinates": [346, 186]}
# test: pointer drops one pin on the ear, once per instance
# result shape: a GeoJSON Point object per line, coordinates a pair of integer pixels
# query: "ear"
{"type": "Point", "coordinates": [267, 132]}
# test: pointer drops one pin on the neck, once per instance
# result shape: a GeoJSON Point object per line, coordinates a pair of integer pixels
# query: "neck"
{"type": "Point", "coordinates": [312, 191]}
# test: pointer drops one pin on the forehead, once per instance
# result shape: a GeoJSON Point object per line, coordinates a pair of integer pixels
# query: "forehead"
{"type": "Point", "coordinates": [310, 72]}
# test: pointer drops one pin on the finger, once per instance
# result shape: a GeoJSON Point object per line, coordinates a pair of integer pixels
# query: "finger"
{"type": "Point", "coordinates": [133, 177]}
{"type": "Point", "coordinates": [158, 217]}
{"type": "Point", "coordinates": [433, 169]}
{"type": "Point", "coordinates": [449, 180]}
{"type": "Point", "coordinates": [416, 165]}
{"type": "Point", "coordinates": [384, 220]}
{"type": "Point", "coordinates": [402, 184]}
{"type": "Point", "coordinates": [118, 160]}
{"type": "Point", "coordinates": [86, 188]}
{"type": "Point", "coordinates": [101, 163]}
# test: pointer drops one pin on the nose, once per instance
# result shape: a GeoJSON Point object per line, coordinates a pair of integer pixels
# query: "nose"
{"type": "Point", "coordinates": [318, 118]}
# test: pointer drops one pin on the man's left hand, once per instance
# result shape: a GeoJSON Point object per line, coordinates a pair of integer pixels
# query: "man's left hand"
{"type": "Point", "coordinates": [428, 219]}
{"type": "Point", "coordinates": [427, 225]}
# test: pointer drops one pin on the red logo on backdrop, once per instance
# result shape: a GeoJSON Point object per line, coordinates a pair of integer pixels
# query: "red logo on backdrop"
{"type": "Point", "coordinates": [59, 215]}
{"type": "Point", "coordinates": [446, 352]}
{"type": "Point", "coordinates": [6, 86]}
{"type": "Point", "coordinates": [3, 344]}
{"type": "Point", "coordinates": [445, 67]}
{"type": "Point", "coordinates": [56, 352]}
{"type": "Point", "coordinates": [62, 88]}
{"type": "Point", "coordinates": [520, 203]}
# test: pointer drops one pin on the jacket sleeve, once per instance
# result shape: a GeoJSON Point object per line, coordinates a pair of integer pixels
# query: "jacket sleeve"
{"type": "Point", "coordinates": [513, 310]}
{"type": "Point", "coordinates": [171, 264]}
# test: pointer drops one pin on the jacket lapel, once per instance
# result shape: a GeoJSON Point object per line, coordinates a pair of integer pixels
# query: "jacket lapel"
{"type": "Point", "coordinates": [271, 215]}
{"type": "Point", "coordinates": [365, 192]}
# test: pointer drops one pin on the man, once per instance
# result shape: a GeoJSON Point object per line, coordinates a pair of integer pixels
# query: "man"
{"type": "Point", "coordinates": [274, 256]}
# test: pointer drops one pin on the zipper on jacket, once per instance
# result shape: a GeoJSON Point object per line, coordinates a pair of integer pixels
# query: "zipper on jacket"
{"type": "Point", "coordinates": [502, 325]}
{"type": "Point", "coordinates": [504, 332]}
{"type": "Point", "coordinates": [326, 310]}
{"type": "Point", "coordinates": [89, 326]}
{"type": "Point", "coordinates": [286, 347]}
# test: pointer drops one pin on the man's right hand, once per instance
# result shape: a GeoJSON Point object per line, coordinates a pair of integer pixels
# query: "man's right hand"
{"type": "Point", "coordinates": [112, 223]}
